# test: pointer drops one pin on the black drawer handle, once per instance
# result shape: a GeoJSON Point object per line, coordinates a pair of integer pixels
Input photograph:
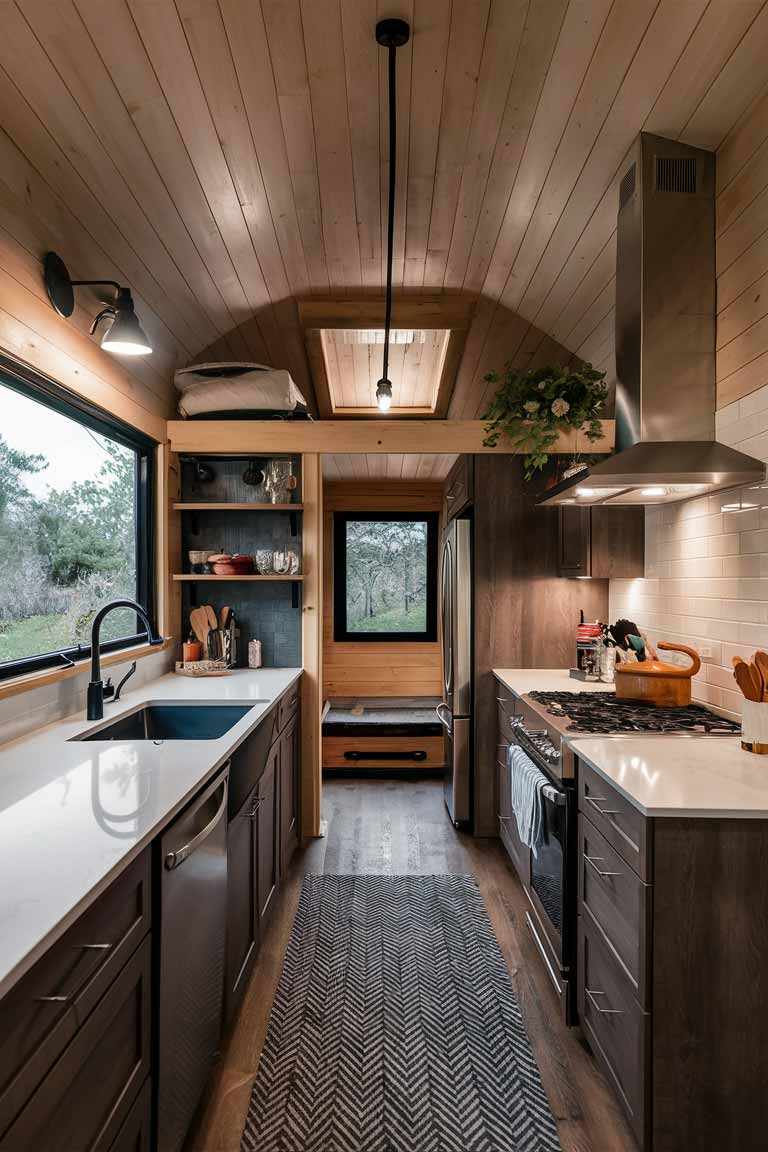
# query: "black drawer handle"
{"type": "Point", "coordinates": [593, 800]}
{"type": "Point", "coordinates": [596, 1006]}
{"type": "Point", "coordinates": [591, 860]}
{"type": "Point", "coordinates": [418, 754]}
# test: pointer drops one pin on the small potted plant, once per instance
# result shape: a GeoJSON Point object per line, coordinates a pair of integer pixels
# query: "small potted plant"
{"type": "Point", "coordinates": [533, 408]}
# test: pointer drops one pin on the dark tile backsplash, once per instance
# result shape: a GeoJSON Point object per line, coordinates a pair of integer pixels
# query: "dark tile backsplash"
{"type": "Point", "coordinates": [264, 611]}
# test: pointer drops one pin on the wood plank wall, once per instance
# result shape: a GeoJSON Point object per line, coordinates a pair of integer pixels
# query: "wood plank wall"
{"type": "Point", "coordinates": [742, 257]}
{"type": "Point", "coordinates": [360, 669]}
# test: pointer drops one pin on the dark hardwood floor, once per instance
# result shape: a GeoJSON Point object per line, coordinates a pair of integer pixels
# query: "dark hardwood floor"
{"type": "Point", "coordinates": [392, 827]}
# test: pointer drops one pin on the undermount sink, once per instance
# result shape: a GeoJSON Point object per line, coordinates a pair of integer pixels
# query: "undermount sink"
{"type": "Point", "coordinates": [187, 721]}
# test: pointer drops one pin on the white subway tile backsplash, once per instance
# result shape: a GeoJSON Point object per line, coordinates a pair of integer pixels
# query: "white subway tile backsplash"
{"type": "Point", "coordinates": [706, 571]}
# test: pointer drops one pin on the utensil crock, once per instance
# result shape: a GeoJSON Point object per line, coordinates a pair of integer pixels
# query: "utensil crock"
{"type": "Point", "coordinates": [754, 727]}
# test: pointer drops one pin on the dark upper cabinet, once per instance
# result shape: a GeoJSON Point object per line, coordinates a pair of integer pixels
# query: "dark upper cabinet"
{"type": "Point", "coordinates": [601, 542]}
{"type": "Point", "coordinates": [459, 487]}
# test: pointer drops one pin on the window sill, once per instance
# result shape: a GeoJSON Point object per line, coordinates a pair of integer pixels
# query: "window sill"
{"type": "Point", "coordinates": [53, 675]}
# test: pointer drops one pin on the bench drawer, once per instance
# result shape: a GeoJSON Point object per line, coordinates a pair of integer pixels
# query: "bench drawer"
{"type": "Point", "coordinates": [618, 902]}
{"type": "Point", "coordinates": [623, 826]}
{"type": "Point", "coordinates": [41, 1013]}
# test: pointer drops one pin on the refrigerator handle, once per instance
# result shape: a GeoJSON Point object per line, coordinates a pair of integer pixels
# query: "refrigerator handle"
{"type": "Point", "coordinates": [447, 594]}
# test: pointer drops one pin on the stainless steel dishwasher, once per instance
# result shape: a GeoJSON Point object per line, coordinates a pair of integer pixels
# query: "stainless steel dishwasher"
{"type": "Point", "coordinates": [193, 899]}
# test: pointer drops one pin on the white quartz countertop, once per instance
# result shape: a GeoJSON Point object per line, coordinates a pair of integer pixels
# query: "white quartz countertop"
{"type": "Point", "coordinates": [74, 814]}
{"type": "Point", "coordinates": [681, 776]}
{"type": "Point", "coordinates": [521, 681]}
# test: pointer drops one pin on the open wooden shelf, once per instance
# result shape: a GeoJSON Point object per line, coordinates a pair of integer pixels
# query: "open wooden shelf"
{"type": "Point", "coordinates": [200, 506]}
{"type": "Point", "coordinates": [189, 577]}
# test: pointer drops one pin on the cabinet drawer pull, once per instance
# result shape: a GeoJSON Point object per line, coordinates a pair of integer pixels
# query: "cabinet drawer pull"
{"type": "Point", "coordinates": [254, 811]}
{"type": "Point", "coordinates": [52, 999]}
{"type": "Point", "coordinates": [595, 802]}
{"type": "Point", "coordinates": [596, 1006]}
{"type": "Point", "coordinates": [591, 860]}
{"type": "Point", "coordinates": [93, 947]}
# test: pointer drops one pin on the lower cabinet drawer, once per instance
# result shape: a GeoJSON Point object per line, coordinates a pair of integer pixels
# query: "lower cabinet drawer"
{"type": "Point", "coordinates": [616, 1028]}
{"type": "Point", "coordinates": [136, 1131]}
{"type": "Point", "coordinates": [41, 1014]}
{"type": "Point", "coordinates": [288, 706]}
{"type": "Point", "coordinates": [87, 1095]}
{"type": "Point", "coordinates": [623, 826]}
{"type": "Point", "coordinates": [618, 902]}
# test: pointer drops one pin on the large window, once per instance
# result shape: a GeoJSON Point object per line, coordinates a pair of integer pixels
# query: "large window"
{"type": "Point", "coordinates": [385, 576]}
{"type": "Point", "coordinates": [75, 530]}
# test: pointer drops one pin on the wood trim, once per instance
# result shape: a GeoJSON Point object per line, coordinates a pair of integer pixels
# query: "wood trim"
{"type": "Point", "coordinates": [359, 436]}
{"type": "Point", "coordinates": [312, 646]}
{"type": "Point", "coordinates": [318, 368]}
{"type": "Point", "coordinates": [53, 675]}
{"type": "Point", "coordinates": [444, 311]}
{"type": "Point", "coordinates": [449, 371]}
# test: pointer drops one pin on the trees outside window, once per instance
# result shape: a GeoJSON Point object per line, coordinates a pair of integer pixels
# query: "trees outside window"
{"type": "Point", "coordinates": [385, 576]}
{"type": "Point", "coordinates": [74, 532]}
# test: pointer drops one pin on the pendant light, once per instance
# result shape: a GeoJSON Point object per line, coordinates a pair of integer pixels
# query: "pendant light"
{"type": "Point", "coordinates": [390, 34]}
{"type": "Point", "coordinates": [125, 336]}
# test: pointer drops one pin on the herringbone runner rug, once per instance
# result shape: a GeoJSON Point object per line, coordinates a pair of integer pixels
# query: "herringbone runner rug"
{"type": "Point", "coordinates": [395, 1028]}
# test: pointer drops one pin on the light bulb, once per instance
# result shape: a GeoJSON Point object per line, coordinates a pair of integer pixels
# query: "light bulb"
{"type": "Point", "coordinates": [384, 395]}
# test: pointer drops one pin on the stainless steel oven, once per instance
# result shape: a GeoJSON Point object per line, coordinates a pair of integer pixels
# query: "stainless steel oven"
{"type": "Point", "coordinates": [551, 918]}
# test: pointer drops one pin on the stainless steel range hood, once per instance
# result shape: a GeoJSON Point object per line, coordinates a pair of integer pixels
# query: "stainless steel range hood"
{"type": "Point", "coordinates": [665, 340]}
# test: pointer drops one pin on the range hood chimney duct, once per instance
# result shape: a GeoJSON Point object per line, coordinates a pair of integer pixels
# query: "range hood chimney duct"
{"type": "Point", "coordinates": [665, 339]}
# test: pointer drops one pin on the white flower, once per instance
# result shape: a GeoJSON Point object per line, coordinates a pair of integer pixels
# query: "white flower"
{"type": "Point", "coordinates": [531, 406]}
{"type": "Point", "coordinates": [542, 385]}
{"type": "Point", "coordinates": [560, 407]}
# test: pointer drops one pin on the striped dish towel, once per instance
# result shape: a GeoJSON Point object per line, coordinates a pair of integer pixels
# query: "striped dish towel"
{"type": "Point", "coordinates": [526, 783]}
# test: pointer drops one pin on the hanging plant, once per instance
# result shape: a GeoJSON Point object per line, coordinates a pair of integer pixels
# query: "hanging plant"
{"type": "Point", "coordinates": [533, 408]}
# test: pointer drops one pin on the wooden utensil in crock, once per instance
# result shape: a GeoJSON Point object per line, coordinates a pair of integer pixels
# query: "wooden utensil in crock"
{"type": "Point", "coordinates": [654, 682]}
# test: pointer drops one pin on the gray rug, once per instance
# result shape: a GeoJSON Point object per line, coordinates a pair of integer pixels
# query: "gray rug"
{"type": "Point", "coordinates": [395, 1028]}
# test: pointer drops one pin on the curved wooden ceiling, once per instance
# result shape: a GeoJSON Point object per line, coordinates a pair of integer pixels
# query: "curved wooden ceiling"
{"type": "Point", "coordinates": [225, 157]}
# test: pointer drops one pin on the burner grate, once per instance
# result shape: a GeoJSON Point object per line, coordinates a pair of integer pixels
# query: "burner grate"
{"type": "Point", "coordinates": [600, 713]}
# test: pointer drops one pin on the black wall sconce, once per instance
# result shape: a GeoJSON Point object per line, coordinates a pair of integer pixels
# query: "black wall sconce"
{"type": "Point", "coordinates": [124, 335]}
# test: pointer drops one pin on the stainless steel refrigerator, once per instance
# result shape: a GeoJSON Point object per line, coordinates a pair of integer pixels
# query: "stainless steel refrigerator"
{"type": "Point", "coordinates": [455, 711]}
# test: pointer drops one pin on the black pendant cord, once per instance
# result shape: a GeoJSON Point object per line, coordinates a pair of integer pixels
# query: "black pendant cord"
{"type": "Point", "coordinates": [392, 50]}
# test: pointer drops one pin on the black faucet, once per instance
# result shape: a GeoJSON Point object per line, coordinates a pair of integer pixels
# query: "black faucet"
{"type": "Point", "coordinates": [96, 686]}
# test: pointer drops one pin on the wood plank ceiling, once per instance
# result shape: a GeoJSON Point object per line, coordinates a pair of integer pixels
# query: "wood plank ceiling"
{"type": "Point", "coordinates": [228, 157]}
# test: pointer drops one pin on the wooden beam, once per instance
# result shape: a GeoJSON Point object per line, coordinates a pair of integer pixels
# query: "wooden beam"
{"type": "Point", "coordinates": [313, 339]}
{"type": "Point", "coordinates": [356, 436]}
{"type": "Point", "coordinates": [444, 311]}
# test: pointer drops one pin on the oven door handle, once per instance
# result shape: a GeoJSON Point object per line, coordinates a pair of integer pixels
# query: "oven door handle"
{"type": "Point", "coordinates": [445, 723]}
{"type": "Point", "coordinates": [554, 796]}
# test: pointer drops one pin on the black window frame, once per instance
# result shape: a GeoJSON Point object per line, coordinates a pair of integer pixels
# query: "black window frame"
{"type": "Point", "coordinates": [341, 634]}
{"type": "Point", "coordinates": [20, 378]}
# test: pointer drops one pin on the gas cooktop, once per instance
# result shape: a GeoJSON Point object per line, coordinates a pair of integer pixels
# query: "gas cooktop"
{"type": "Point", "coordinates": [600, 713]}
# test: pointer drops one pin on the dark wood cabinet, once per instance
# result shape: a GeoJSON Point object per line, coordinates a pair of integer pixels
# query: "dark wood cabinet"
{"type": "Point", "coordinates": [86, 1096]}
{"type": "Point", "coordinates": [289, 792]}
{"type": "Point", "coordinates": [673, 947]}
{"type": "Point", "coordinates": [135, 1134]}
{"type": "Point", "coordinates": [242, 901]}
{"type": "Point", "coordinates": [459, 487]}
{"type": "Point", "coordinates": [601, 542]}
{"type": "Point", "coordinates": [41, 1014]}
{"type": "Point", "coordinates": [268, 840]}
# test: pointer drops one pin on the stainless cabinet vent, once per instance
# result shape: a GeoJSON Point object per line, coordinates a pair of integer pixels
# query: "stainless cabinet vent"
{"type": "Point", "coordinates": [675, 173]}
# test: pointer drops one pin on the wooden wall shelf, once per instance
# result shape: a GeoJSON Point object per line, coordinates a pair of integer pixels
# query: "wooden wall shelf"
{"type": "Point", "coordinates": [200, 506]}
{"type": "Point", "coordinates": [190, 577]}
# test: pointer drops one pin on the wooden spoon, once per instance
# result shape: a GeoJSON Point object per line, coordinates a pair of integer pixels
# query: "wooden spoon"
{"type": "Point", "coordinates": [743, 678]}
{"type": "Point", "coordinates": [761, 660]}
{"type": "Point", "coordinates": [757, 681]}
{"type": "Point", "coordinates": [225, 612]}
{"type": "Point", "coordinates": [199, 623]}
{"type": "Point", "coordinates": [212, 619]}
